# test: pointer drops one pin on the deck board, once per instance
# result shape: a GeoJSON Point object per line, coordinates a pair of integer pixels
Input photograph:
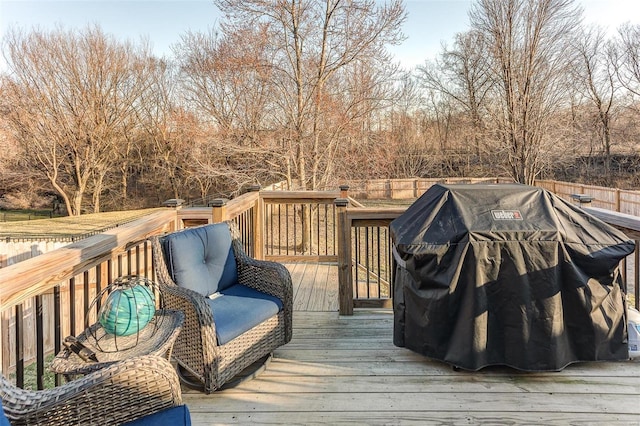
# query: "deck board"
{"type": "Point", "coordinates": [315, 286]}
{"type": "Point", "coordinates": [346, 370]}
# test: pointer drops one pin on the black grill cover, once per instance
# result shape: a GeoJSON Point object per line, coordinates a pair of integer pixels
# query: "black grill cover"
{"type": "Point", "coordinates": [510, 275]}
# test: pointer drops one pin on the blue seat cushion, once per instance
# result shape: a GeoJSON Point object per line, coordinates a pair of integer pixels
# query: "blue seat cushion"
{"type": "Point", "coordinates": [4, 421]}
{"type": "Point", "coordinates": [201, 259]}
{"type": "Point", "coordinates": [174, 416]}
{"type": "Point", "coordinates": [238, 309]}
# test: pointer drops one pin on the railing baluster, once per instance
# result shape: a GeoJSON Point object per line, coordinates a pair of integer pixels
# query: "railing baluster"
{"type": "Point", "coordinates": [268, 240]}
{"type": "Point", "coordinates": [636, 270]}
{"type": "Point", "coordinates": [287, 228]}
{"type": "Point", "coordinates": [57, 327]}
{"type": "Point", "coordinates": [318, 229]}
{"type": "Point", "coordinates": [378, 256]}
{"type": "Point", "coordinates": [367, 255]}
{"type": "Point", "coordinates": [39, 343]}
{"type": "Point", "coordinates": [148, 266]}
{"type": "Point", "coordinates": [86, 297]}
{"type": "Point", "coordinates": [137, 272]}
{"type": "Point", "coordinates": [19, 352]}
{"type": "Point", "coordinates": [357, 263]}
{"type": "Point", "coordinates": [392, 265]}
{"type": "Point", "coordinates": [109, 272]}
{"type": "Point", "coordinates": [335, 229]}
{"type": "Point", "coordinates": [326, 229]}
{"type": "Point", "coordinates": [120, 266]}
{"type": "Point", "coordinates": [98, 286]}
{"type": "Point", "coordinates": [72, 306]}
{"type": "Point", "coordinates": [280, 229]}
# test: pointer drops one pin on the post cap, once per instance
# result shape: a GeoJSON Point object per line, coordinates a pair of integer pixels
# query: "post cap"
{"type": "Point", "coordinates": [173, 202]}
{"type": "Point", "coordinates": [218, 202]}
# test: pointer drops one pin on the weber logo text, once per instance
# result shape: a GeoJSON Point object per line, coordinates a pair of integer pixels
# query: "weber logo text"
{"type": "Point", "coordinates": [506, 215]}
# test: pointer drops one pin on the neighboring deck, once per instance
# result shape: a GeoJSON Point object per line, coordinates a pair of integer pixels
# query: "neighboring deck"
{"type": "Point", "coordinates": [346, 370]}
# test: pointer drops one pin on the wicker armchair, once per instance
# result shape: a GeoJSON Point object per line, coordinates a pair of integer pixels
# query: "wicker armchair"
{"type": "Point", "coordinates": [199, 349]}
{"type": "Point", "coordinates": [122, 392]}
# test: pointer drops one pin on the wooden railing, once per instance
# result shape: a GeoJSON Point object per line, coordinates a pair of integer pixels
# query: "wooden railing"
{"type": "Point", "coordinates": [299, 226]}
{"type": "Point", "coordinates": [365, 263]}
{"type": "Point", "coordinates": [45, 298]}
{"type": "Point", "coordinates": [48, 296]}
{"type": "Point", "coordinates": [365, 266]}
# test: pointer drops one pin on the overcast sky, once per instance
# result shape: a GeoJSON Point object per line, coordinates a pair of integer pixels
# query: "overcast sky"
{"type": "Point", "coordinates": [429, 23]}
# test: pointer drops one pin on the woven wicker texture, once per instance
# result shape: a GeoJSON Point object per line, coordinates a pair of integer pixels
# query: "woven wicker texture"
{"type": "Point", "coordinates": [196, 348]}
{"type": "Point", "coordinates": [119, 393]}
{"type": "Point", "coordinates": [157, 338]}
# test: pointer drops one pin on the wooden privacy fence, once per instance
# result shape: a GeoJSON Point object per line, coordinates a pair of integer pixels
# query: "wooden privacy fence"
{"type": "Point", "coordinates": [13, 252]}
{"type": "Point", "coordinates": [618, 200]}
{"type": "Point", "coordinates": [404, 189]}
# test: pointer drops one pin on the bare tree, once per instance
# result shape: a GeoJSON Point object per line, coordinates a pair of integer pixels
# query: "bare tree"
{"type": "Point", "coordinates": [594, 76]}
{"type": "Point", "coordinates": [527, 43]}
{"type": "Point", "coordinates": [629, 58]}
{"type": "Point", "coordinates": [228, 81]}
{"type": "Point", "coordinates": [463, 74]}
{"type": "Point", "coordinates": [71, 92]}
{"type": "Point", "coordinates": [164, 129]}
{"type": "Point", "coordinates": [310, 42]}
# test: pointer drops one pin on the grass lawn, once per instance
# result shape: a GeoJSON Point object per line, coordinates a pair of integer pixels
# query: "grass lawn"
{"type": "Point", "coordinates": [30, 375]}
{"type": "Point", "coordinates": [25, 214]}
{"type": "Point", "coordinates": [69, 226]}
{"type": "Point", "coordinates": [387, 203]}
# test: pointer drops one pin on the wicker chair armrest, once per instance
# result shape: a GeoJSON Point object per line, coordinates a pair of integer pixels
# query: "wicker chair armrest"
{"type": "Point", "coordinates": [118, 393]}
{"type": "Point", "coordinates": [191, 300]}
{"type": "Point", "coordinates": [269, 277]}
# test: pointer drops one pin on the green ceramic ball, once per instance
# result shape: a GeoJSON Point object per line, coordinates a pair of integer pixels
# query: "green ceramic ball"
{"type": "Point", "coordinates": [127, 310]}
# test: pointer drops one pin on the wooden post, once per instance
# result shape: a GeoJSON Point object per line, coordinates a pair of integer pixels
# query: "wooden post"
{"type": "Point", "coordinates": [219, 206]}
{"type": "Point", "coordinates": [345, 279]}
{"type": "Point", "coordinates": [617, 202]}
{"type": "Point", "coordinates": [258, 225]}
{"type": "Point", "coordinates": [344, 191]}
{"type": "Point", "coordinates": [4, 340]}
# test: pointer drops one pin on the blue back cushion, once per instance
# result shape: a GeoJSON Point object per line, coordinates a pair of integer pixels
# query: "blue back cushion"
{"type": "Point", "coordinates": [201, 259]}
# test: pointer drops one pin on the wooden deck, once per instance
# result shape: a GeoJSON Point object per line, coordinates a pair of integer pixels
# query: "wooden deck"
{"type": "Point", "coordinates": [346, 370]}
{"type": "Point", "coordinates": [315, 287]}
